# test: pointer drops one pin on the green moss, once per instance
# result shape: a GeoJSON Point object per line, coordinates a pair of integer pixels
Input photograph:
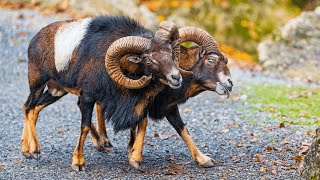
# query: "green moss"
{"type": "Point", "coordinates": [295, 105]}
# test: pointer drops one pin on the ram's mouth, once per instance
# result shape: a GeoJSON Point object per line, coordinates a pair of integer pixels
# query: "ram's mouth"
{"type": "Point", "coordinates": [224, 90]}
{"type": "Point", "coordinates": [173, 84]}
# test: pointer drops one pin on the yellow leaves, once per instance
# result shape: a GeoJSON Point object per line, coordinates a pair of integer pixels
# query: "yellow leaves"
{"type": "Point", "coordinates": [155, 6]}
{"type": "Point", "coordinates": [235, 53]}
{"type": "Point", "coordinates": [259, 157]}
{"type": "Point", "coordinates": [161, 18]}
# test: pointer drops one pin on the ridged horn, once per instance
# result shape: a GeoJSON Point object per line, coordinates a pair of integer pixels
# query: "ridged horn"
{"type": "Point", "coordinates": [168, 32]}
{"type": "Point", "coordinates": [199, 36]}
{"type": "Point", "coordinates": [118, 49]}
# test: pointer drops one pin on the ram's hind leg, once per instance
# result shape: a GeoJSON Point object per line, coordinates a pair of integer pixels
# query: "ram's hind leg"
{"type": "Point", "coordinates": [29, 140]}
{"type": "Point", "coordinates": [46, 99]}
{"type": "Point", "coordinates": [100, 138]}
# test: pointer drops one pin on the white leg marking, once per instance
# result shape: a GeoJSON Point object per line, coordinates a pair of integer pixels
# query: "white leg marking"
{"type": "Point", "coordinates": [66, 40]}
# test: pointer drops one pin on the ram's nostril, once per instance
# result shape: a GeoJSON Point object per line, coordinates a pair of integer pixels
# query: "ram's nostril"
{"type": "Point", "coordinates": [175, 77]}
{"type": "Point", "coordinates": [230, 81]}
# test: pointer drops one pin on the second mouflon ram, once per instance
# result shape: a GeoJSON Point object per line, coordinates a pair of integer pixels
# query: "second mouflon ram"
{"type": "Point", "coordinates": [210, 73]}
{"type": "Point", "coordinates": [83, 57]}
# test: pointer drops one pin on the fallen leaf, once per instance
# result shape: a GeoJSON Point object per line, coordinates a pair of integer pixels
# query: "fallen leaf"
{"type": "Point", "coordinates": [254, 134]}
{"type": "Point", "coordinates": [224, 175]}
{"type": "Point", "coordinates": [297, 158]}
{"type": "Point", "coordinates": [310, 133]}
{"type": "Point", "coordinates": [233, 124]}
{"type": "Point", "coordinates": [170, 158]}
{"type": "Point", "coordinates": [288, 149]}
{"type": "Point", "coordinates": [272, 110]}
{"type": "Point", "coordinates": [2, 165]}
{"type": "Point", "coordinates": [284, 142]}
{"type": "Point", "coordinates": [259, 157]}
{"type": "Point", "coordinates": [240, 145]}
{"type": "Point", "coordinates": [186, 110]}
{"type": "Point", "coordinates": [156, 134]}
{"type": "Point", "coordinates": [242, 154]}
{"type": "Point", "coordinates": [184, 163]}
{"type": "Point", "coordinates": [21, 16]}
{"type": "Point", "coordinates": [253, 140]}
{"type": "Point", "coordinates": [306, 144]}
{"type": "Point", "coordinates": [60, 132]}
{"type": "Point", "coordinates": [245, 128]}
{"type": "Point", "coordinates": [18, 161]}
{"type": "Point", "coordinates": [215, 120]}
{"type": "Point", "coordinates": [232, 142]}
{"type": "Point", "coordinates": [22, 34]}
{"type": "Point", "coordinates": [276, 148]}
{"type": "Point", "coordinates": [304, 150]}
{"type": "Point", "coordinates": [274, 170]}
{"type": "Point", "coordinates": [269, 148]}
{"type": "Point", "coordinates": [163, 137]}
{"type": "Point", "coordinates": [262, 169]}
{"type": "Point", "coordinates": [281, 125]}
{"type": "Point", "coordinates": [149, 143]}
{"type": "Point", "coordinates": [223, 131]}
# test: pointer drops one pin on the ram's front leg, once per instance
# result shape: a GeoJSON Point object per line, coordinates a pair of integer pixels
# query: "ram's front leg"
{"type": "Point", "coordinates": [175, 120]}
{"type": "Point", "coordinates": [135, 154]}
{"type": "Point", "coordinates": [86, 108]}
{"type": "Point", "coordinates": [100, 138]}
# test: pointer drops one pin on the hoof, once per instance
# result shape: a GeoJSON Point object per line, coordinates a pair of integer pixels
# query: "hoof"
{"type": "Point", "coordinates": [108, 145]}
{"type": "Point", "coordinates": [103, 148]}
{"type": "Point", "coordinates": [78, 167]}
{"type": "Point", "coordinates": [135, 164]}
{"type": "Point", "coordinates": [207, 164]}
{"type": "Point", "coordinates": [35, 155]}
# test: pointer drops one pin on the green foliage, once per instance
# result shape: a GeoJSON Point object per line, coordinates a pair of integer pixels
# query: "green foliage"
{"type": "Point", "coordinates": [295, 105]}
{"type": "Point", "coordinates": [240, 23]}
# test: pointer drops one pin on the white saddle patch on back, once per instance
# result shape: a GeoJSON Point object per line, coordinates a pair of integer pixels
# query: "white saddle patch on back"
{"type": "Point", "coordinates": [66, 40]}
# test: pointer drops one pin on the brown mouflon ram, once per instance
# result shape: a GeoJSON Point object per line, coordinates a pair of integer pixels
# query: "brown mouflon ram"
{"type": "Point", "coordinates": [83, 57]}
{"type": "Point", "coordinates": [210, 73]}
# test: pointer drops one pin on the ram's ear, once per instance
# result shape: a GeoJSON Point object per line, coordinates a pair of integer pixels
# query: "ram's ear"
{"type": "Point", "coordinates": [134, 58]}
{"type": "Point", "coordinates": [201, 52]}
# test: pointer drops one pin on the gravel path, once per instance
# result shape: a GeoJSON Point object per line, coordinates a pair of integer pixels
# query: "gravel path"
{"type": "Point", "coordinates": [236, 138]}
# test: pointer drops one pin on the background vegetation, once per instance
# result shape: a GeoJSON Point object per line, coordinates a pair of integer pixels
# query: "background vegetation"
{"type": "Point", "coordinates": [240, 24]}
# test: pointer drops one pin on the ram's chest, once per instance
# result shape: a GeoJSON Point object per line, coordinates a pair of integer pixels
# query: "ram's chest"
{"type": "Point", "coordinates": [146, 99]}
{"type": "Point", "coordinates": [66, 40]}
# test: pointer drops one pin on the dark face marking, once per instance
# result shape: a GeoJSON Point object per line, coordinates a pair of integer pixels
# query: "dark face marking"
{"type": "Point", "coordinates": [159, 61]}
{"type": "Point", "coordinates": [213, 73]}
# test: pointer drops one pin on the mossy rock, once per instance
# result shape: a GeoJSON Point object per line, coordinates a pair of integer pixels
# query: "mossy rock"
{"type": "Point", "coordinates": [310, 168]}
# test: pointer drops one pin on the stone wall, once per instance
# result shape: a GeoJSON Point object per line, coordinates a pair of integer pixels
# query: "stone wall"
{"type": "Point", "coordinates": [295, 52]}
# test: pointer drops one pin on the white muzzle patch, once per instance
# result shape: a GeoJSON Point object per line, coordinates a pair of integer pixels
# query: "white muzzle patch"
{"type": "Point", "coordinates": [66, 40]}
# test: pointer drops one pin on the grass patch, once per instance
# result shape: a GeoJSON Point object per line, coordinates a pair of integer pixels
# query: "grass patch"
{"type": "Point", "coordinates": [294, 105]}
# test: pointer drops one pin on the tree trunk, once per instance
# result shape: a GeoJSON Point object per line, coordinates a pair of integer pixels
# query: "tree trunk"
{"type": "Point", "coordinates": [310, 168]}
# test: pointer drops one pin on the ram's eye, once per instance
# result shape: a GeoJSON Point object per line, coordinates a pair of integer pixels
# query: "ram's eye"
{"type": "Point", "coordinates": [148, 61]}
{"type": "Point", "coordinates": [212, 60]}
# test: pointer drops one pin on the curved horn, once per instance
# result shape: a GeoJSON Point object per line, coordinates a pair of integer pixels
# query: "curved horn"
{"type": "Point", "coordinates": [119, 48]}
{"type": "Point", "coordinates": [199, 36]}
{"type": "Point", "coordinates": [168, 31]}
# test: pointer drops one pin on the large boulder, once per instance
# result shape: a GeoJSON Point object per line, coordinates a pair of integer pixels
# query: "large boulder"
{"type": "Point", "coordinates": [310, 168]}
{"type": "Point", "coordinates": [295, 51]}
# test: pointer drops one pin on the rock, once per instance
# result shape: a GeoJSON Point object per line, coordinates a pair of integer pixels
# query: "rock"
{"type": "Point", "coordinates": [295, 53]}
{"type": "Point", "coordinates": [310, 168]}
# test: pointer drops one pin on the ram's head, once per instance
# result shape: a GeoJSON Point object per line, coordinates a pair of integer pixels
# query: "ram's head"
{"type": "Point", "coordinates": [206, 61]}
{"type": "Point", "coordinates": [159, 56]}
